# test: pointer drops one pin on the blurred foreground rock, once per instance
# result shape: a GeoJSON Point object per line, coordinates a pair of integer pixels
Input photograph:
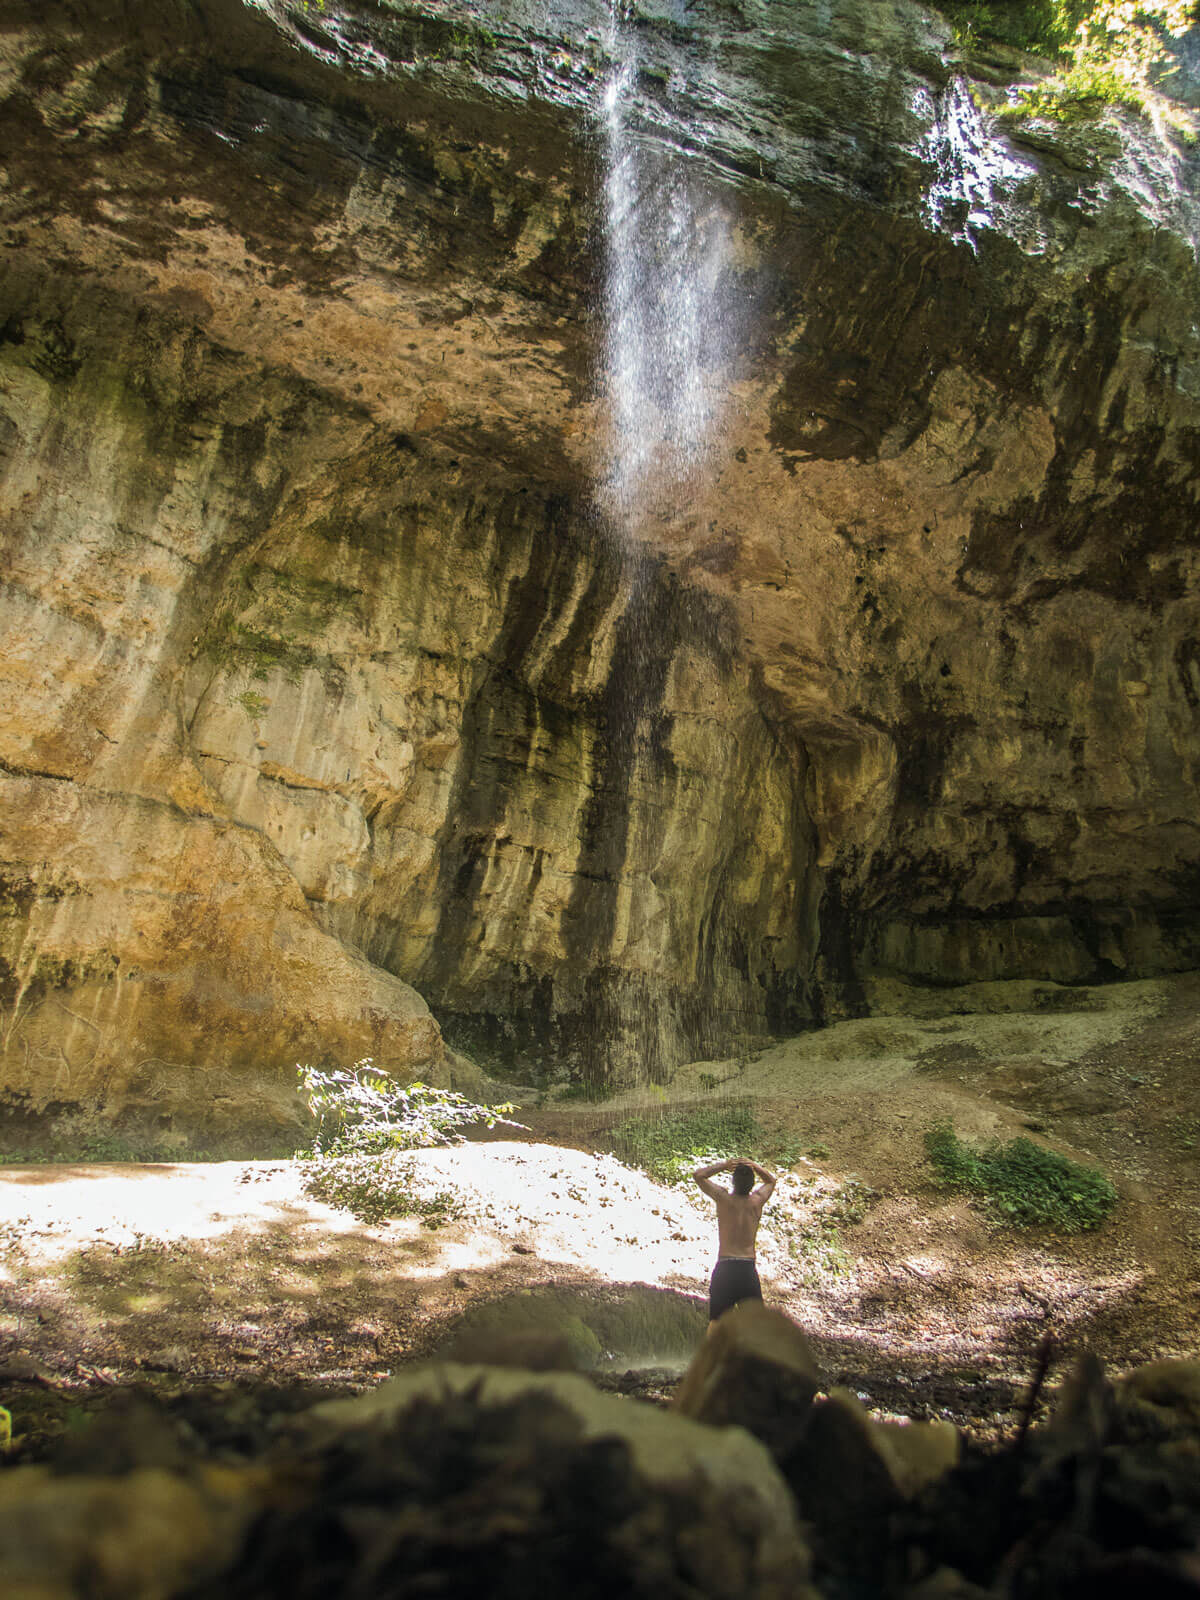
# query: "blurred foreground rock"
{"type": "Point", "coordinates": [848, 1472]}
{"type": "Point", "coordinates": [1103, 1502]}
{"type": "Point", "coordinates": [483, 1480]}
{"type": "Point", "coordinates": [450, 1480]}
{"type": "Point", "coordinates": [755, 1369]}
{"type": "Point", "coordinates": [852, 1475]}
{"type": "Point", "coordinates": [143, 1535]}
{"type": "Point", "coordinates": [1167, 1392]}
{"type": "Point", "coordinates": [457, 1479]}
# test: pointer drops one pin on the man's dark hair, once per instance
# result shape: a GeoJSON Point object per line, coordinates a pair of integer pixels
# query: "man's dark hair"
{"type": "Point", "coordinates": [743, 1178]}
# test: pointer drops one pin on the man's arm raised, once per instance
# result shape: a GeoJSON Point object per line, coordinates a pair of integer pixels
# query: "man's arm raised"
{"type": "Point", "coordinates": [703, 1174]}
{"type": "Point", "coordinates": [767, 1187]}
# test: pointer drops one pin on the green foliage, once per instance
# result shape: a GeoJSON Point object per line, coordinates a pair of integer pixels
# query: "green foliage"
{"type": "Point", "coordinates": [252, 703]}
{"type": "Point", "coordinates": [851, 1202]}
{"type": "Point", "coordinates": [819, 1252]}
{"type": "Point", "coordinates": [464, 43]}
{"type": "Point", "coordinates": [669, 1147]}
{"type": "Point", "coordinates": [788, 1149]}
{"type": "Point", "coordinates": [1041, 27]}
{"type": "Point", "coordinates": [376, 1187]}
{"type": "Point", "coordinates": [1186, 1132]}
{"type": "Point", "coordinates": [362, 1119]}
{"type": "Point", "coordinates": [288, 626]}
{"type": "Point", "coordinates": [1117, 45]}
{"type": "Point", "coordinates": [363, 1110]}
{"type": "Point", "coordinates": [807, 1216]}
{"type": "Point", "coordinates": [1022, 1184]}
{"type": "Point", "coordinates": [1108, 51]}
{"type": "Point", "coordinates": [476, 38]}
{"type": "Point", "coordinates": [232, 642]}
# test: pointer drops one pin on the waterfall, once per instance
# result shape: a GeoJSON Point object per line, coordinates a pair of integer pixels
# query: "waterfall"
{"type": "Point", "coordinates": [667, 320]}
{"type": "Point", "coordinates": [972, 171]}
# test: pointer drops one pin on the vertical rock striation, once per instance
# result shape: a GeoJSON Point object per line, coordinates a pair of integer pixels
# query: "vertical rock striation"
{"type": "Point", "coordinates": [292, 720]}
{"type": "Point", "coordinates": [330, 706]}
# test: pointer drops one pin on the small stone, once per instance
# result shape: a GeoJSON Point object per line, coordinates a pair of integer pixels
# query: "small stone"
{"type": "Point", "coordinates": [22, 1368]}
{"type": "Point", "coordinates": [173, 1359]}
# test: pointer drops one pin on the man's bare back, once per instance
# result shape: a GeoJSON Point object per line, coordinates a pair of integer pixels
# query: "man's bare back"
{"type": "Point", "coordinates": [738, 1215]}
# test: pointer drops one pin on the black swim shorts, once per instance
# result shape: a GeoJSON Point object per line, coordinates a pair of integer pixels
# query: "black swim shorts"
{"type": "Point", "coordinates": [732, 1280]}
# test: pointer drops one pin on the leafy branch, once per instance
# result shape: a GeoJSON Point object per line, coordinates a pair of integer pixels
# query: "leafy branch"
{"type": "Point", "coordinates": [361, 1110]}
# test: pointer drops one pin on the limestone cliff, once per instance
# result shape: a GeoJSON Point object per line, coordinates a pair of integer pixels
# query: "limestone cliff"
{"type": "Point", "coordinates": [327, 691]}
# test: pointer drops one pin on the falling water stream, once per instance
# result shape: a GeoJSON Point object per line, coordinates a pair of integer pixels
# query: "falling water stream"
{"type": "Point", "coordinates": [669, 327]}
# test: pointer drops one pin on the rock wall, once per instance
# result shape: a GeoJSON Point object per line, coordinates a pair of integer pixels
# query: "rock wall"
{"type": "Point", "coordinates": [326, 694]}
{"type": "Point", "coordinates": [291, 721]}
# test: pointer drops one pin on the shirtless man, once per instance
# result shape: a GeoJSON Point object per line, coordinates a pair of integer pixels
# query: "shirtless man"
{"type": "Point", "coordinates": [735, 1276]}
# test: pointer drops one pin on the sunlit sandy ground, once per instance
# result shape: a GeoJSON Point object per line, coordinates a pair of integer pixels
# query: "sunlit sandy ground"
{"type": "Point", "coordinates": [229, 1268]}
{"type": "Point", "coordinates": [561, 1205]}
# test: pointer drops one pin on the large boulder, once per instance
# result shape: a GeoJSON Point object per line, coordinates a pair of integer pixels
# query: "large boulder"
{"type": "Point", "coordinates": [850, 1473]}
{"type": "Point", "coordinates": [509, 1480]}
{"type": "Point", "coordinates": [756, 1371]}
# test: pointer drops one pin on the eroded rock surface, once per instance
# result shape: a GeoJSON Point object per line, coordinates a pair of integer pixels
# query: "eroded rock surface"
{"type": "Point", "coordinates": [327, 693]}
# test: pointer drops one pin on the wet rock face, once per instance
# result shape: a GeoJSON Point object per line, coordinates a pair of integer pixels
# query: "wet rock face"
{"type": "Point", "coordinates": [328, 696]}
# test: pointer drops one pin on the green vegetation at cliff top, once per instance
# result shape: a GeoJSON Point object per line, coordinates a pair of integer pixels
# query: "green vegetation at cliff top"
{"type": "Point", "coordinates": [1041, 27]}
{"type": "Point", "coordinates": [1107, 52]}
